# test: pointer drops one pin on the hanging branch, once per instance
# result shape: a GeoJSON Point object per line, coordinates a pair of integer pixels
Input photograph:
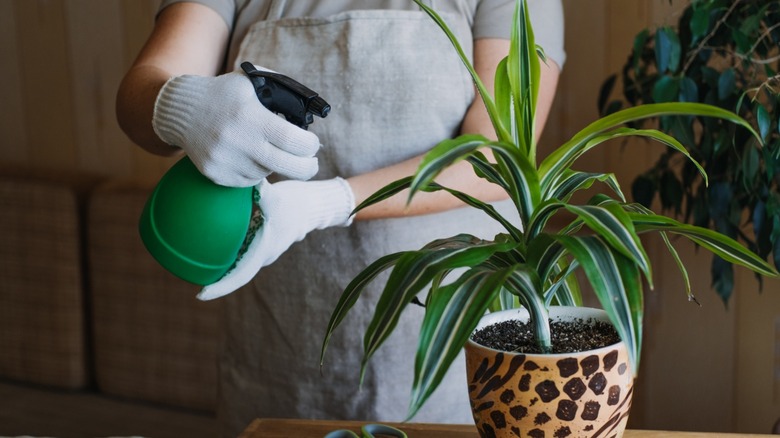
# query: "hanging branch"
{"type": "Point", "coordinates": [703, 42]}
{"type": "Point", "coordinates": [766, 84]}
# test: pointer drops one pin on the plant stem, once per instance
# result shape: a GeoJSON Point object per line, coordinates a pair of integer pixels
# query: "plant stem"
{"type": "Point", "coordinates": [766, 83]}
{"type": "Point", "coordinates": [764, 35]}
{"type": "Point", "coordinates": [703, 42]}
{"type": "Point", "coordinates": [745, 57]}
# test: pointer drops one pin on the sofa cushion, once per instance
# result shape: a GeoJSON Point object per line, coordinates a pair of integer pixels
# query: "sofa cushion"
{"type": "Point", "coordinates": [42, 317]}
{"type": "Point", "coordinates": [153, 340]}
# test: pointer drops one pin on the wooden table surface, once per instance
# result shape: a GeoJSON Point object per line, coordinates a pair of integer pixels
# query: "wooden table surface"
{"type": "Point", "coordinates": [285, 428]}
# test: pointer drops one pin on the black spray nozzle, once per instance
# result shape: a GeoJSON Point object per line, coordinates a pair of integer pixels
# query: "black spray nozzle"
{"type": "Point", "coordinates": [286, 96]}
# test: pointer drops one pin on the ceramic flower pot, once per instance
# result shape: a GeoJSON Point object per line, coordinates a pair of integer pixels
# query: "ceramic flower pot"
{"type": "Point", "coordinates": [586, 394]}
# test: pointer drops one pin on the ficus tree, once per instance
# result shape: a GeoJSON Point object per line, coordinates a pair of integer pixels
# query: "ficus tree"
{"type": "Point", "coordinates": [723, 53]}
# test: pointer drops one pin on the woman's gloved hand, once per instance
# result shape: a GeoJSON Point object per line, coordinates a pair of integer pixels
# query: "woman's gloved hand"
{"type": "Point", "coordinates": [291, 210]}
{"type": "Point", "coordinates": [228, 134]}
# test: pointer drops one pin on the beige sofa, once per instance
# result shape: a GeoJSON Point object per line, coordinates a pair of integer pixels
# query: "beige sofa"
{"type": "Point", "coordinates": [95, 338]}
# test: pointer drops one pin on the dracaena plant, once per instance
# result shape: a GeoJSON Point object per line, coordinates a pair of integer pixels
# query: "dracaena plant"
{"type": "Point", "coordinates": [531, 264]}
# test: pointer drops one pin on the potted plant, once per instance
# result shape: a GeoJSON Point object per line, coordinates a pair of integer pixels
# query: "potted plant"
{"type": "Point", "coordinates": [723, 53]}
{"type": "Point", "coordinates": [532, 265]}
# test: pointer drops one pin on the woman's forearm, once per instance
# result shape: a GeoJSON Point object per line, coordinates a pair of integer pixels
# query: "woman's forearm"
{"type": "Point", "coordinates": [135, 106]}
{"type": "Point", "coordinates": [188, 38]}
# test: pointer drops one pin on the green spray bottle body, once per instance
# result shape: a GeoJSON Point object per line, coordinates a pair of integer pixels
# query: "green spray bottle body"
{"type": "Point", "coordinates": [197, 229]}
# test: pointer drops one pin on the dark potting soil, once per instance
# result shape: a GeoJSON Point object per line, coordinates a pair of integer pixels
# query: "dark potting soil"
{"type": "Point", "coordinates": [567, 336]}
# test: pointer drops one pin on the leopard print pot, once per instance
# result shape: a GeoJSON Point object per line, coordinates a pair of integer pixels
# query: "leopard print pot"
{"type": "Point", "coordinates": [585, 394]}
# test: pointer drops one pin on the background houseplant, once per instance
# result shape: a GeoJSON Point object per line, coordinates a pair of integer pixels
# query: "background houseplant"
{"type": "Point", "coordinates": [531, 264]}
{"type": "Point", "coordinates": [723, 53]}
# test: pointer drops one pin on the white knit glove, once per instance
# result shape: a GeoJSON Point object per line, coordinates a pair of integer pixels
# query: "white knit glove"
{"type": "Point", "coordinates": [228, 134]}
{"type": "Point", "coordinates": [291, 210]}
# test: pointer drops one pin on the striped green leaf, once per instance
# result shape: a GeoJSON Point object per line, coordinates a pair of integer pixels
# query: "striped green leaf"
{"type": "Point", "coordinates": [680, 265]}
{"type": "Point", "coordinates": [353, 291]}
{"type": "Point", "coordinates": [562, 291]}
{"type": "Point", "coordinates": [570, 182]}
{"type": "Point", "coordinates": [639, 208]}
{"type": "Point", "coordinates": [503, 94]}
{"type": "Point", "coordinates": [506, 300]}
{"type": "Point", "coordinates": [546, 256]}
{"type": "Point", "coordinates": [541, 215]}
{"type": "Point", "coordinates": [601, 199]}
{"type": "Point", "coordinates": [592, 135]}
{"type": "Point", "coordinates": [524, 71]}
{"type": "Point", "coordinates": [719, 244]}
{"type": "Point", "coordinates": [571, 287]}
{"type": "Point", "coordinates": [501, 130]}
{"type": "Point", "coordinates": [413, 271]}
{"type": "Point", "coordinates": [517, 172]}
{"type": "Point", "coordinates": [522, 176]}
{"type": "Point", "coordinates": [452, 313]}
{"type": "Point", "coordinates": [527, 286]}
{"type": "Point", "coordinates": [616, 283]}
{"type": "Point", "coordinates": [572, 150]}
{"type": "Point", "coordinates": [355, 288]}
{"type": "Point", "coordinates": [443, 155]}
{"type": "Point", "coordinates": [516, 233]}
{"type": "Point", "coordinates": [385, 192]}
{"type": "Point", "coordinates": [614, 226]}
{"type": "Point", "coordinates": [487, 170]}
{"type": "Point", "coordinates": [544, 252]}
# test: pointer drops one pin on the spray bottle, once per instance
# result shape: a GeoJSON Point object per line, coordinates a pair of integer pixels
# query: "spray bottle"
{"type": "Point", "coordinates": [197, 229]}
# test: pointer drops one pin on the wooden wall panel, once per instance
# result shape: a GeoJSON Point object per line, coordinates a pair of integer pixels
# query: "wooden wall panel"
{"type": "Point", "coordinates": [687, 377]}
{"type": "Point", "coordinates": [63, 61]}
{"type": "Point", "coordinates": [757, 398]}
{"type": "Point", "coordinates": [97, 68]}
{"type": "Point", "coordinates": [13, 140]}
{"type": "Point", "coordinates": [45, 83]}
{"type": "Point", "coordinates": [626, 19]}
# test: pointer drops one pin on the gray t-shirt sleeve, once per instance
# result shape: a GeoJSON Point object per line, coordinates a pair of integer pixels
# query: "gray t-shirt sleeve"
{"type": "Point", "coordinates": [490, 21]}
{"type": "Point", "coordinates": [225, 8]}
{"type": "Point", "coordinates": [548, 23]}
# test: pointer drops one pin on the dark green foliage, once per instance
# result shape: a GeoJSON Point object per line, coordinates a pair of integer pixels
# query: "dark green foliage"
{"type": "Point", "coordinates": [724, 53]}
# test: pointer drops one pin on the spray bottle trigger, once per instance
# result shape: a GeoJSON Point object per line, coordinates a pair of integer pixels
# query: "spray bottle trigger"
{"type": "Point", "coordinates": [286, 96]}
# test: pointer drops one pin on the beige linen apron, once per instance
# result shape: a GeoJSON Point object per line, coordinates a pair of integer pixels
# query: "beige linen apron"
{"type": "Point", "coordinates": [396, 88]}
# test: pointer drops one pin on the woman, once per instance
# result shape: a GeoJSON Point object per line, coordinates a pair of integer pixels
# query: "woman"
{"type": "Point", "coordinates": [396, 88]}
